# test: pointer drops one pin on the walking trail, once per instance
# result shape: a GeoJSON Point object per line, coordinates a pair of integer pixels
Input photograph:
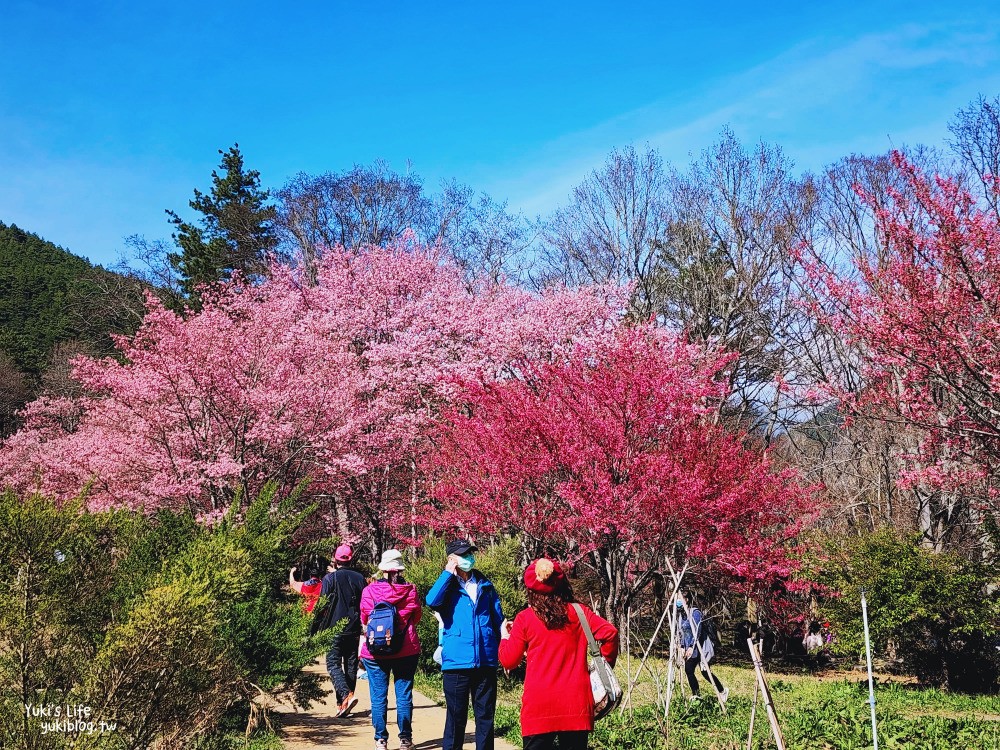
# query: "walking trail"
{"type": "Point", "coordinates": [318, 726]}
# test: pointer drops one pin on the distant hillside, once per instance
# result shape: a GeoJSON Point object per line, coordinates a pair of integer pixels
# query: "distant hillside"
{"type": "Point", "coordinates": [48, 296]}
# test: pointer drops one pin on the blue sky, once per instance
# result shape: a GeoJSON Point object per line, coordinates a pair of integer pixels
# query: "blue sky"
{"type": "Point", "coordinates": [111, 112]}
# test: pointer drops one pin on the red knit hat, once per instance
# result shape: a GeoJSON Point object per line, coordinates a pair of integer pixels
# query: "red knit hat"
{"type": "Point", "coordinates": [543, 575]}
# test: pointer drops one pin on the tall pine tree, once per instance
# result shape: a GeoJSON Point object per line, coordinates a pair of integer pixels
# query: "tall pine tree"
{"type": "Point", "coordinates": [236, 231]}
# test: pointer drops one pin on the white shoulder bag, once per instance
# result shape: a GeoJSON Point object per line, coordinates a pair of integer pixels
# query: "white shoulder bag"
{"type": "Point", "coordinates": [603, 683]}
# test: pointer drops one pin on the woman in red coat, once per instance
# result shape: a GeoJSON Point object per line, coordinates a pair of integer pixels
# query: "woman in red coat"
{"type": "Point", "coordinates": [557, 701]}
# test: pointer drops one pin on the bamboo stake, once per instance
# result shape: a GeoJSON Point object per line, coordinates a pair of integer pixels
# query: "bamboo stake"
{"type": "Point", "coordinates": [753, 714]}
{"type": "Point", "coordinates": [772, 717]}
{"type": "Point", "coordinates": [670, 671]}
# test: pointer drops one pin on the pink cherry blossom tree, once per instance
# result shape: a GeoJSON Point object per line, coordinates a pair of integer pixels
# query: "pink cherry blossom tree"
{"type": "Point", "coordinates": [920, 314]}
{"type": "Point", "coordinates": [335, 381]}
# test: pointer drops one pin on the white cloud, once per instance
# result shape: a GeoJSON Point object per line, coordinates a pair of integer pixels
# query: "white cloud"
{"type": "Point", "coordinates": [817, 100]}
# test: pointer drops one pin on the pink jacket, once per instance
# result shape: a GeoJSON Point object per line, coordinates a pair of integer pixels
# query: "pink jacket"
{"type": "Point", "coordinates": [403, 597]}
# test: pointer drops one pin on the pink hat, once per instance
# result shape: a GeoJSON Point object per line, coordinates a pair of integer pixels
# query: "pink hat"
{"type": "Point", "coordinates": [343, 554]}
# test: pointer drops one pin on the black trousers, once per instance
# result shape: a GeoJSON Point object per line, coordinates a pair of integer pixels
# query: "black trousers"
{"type": "Point", "coordinates": [561, 740]}
{"type": "Point", "coordinates": [342, 664]}
{"type": "Point", "coordinates": [689, 666]}
{"type": "Point", "coordinates": [461, 685]}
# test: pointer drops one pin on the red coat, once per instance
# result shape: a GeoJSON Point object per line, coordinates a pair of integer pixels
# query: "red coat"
{"type": "Point", "coordinates": [311, 590]}
{"type": "Point", "coordinates": [557, 695]}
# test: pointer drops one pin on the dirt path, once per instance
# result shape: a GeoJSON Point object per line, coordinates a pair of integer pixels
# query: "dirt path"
{"type": "Point", "coordinates": [318, 727]}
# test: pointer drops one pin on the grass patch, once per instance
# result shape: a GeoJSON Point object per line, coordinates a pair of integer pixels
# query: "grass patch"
{"type": "Point", "coordinates": [260, 739]}
{"type": "Point", "coordinates": [816, 712]}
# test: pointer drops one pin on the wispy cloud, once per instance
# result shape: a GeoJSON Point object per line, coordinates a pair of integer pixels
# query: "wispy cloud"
{"type": "Point", "coordinates": [819, 100]}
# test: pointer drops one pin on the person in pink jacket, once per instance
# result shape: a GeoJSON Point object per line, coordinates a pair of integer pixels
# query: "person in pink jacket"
{"type": "Point", "coordinates": [401, 664]}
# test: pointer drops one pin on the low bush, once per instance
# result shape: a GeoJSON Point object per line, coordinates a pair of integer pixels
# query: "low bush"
{"type": "Point", "coordinates": [161, 628]}
{"type": "Point", "coordinates": [936, 613]}
{"type": "Point", "coordinates": [813, 715]}
{"type": "Point", "coordinates": [840, 717]}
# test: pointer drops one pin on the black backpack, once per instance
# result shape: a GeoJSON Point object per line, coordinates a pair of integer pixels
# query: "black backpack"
{"type": "Point", "coordinates": [708, 631]}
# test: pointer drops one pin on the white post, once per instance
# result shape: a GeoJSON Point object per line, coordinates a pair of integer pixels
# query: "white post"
{"type": "Point", "coordinates": [628, 643]}
{"type": "Point", "coordinates": [753, 715]}
{"type": "Point", "coordinates": [868, 655]}
{"type": "Point", "coordinates": [670, 673]}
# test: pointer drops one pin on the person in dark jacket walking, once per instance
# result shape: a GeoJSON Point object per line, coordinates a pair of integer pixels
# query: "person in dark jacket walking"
{"type": "Point", "coordinates": [470, 610]}
{"type": "Point", "coordinates": [344, 585]}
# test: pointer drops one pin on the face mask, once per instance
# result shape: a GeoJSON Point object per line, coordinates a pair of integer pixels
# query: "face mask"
{"type": "Point", "coordinates": [680, 605]}
{"type": "Point", "coordinates": [467, 562]}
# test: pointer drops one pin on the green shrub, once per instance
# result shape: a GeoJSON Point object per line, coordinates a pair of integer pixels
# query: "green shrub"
{"type": "Point", "coordinates": [56, 575]}
{"type": "Point", "coordinates": [249, 557]}
{"type": "Point", "coordinates": [163, 674]}
{"type": "Point", "coordinates": [158, 625]}
{"type": "Point", "coordinates": [931, 610]}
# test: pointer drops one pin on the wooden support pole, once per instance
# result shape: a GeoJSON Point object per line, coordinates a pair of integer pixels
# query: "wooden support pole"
{"type": "Point", "coordinates": [753, 714]}
{"type": "Point", "coordinates": [772, 717]}
{"type": "Point", "coordinates": [670, 677]}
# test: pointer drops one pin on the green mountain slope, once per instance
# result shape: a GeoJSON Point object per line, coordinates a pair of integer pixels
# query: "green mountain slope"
{"type": "Point", "coordinates": [48, 295]}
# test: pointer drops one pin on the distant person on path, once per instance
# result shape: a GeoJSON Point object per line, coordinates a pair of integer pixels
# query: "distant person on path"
{"type": "Point", "coordinates": [470, 610]}
{"type": "Point", "coordinates": [344, 585]}
{"type": "Point", "coordinates": [558, 704]}
{"type": "Point", "coordinates": [311, 585]}
{"type": "Point", "coordinates": [697, 646]}
{"type": "Point", "coordinates": [813, 642]}
{"type": "Point", "coordinates": [396, 653]}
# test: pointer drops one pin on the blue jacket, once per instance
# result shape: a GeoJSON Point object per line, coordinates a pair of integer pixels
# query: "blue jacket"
{"type": "Point", "coordinates": [471, 631]}
{"type": "Point", "coordinates": [687, 632]}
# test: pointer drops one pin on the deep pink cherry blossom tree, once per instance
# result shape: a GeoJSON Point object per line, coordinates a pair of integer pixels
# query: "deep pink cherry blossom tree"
{"type": "Point", "coordinates": [611, 456]}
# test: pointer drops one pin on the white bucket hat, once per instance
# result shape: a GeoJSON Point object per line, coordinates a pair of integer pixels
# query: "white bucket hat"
{"type": "Point", "coordinates": [392, 560]}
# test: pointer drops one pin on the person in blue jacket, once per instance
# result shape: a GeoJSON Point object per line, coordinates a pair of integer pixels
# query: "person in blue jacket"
{"type": "Point", "coordinates": [470, 610]}
{"type": "Point", "coordinates": [698, 649]}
